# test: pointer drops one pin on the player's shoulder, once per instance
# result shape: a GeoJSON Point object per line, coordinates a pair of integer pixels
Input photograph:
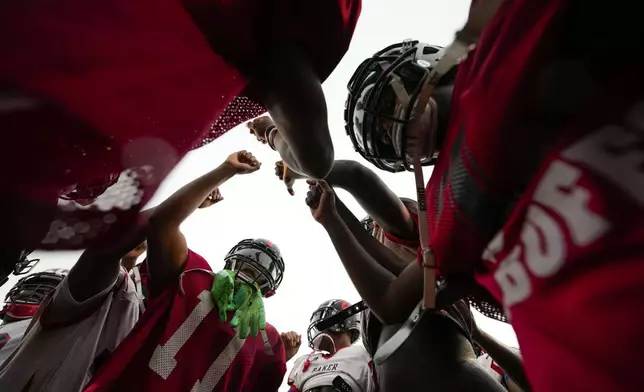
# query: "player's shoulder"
{"type": "Point", "coordinates": [272, 332]}
{"type": "Point", "coordinates": [356, 350]}
{"type": "Point", "coordinates": [195, 260]}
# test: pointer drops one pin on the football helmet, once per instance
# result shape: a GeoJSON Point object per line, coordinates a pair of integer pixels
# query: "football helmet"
{"type": "Point", "coordinates": [367, 223]}
{"type": "Point", "coordinates": [326, 310]}
{"type": "Point", "coordinates": [23, 300]}
{"type": "Point", "coordinates": [382, 95]}
{"type": "Point", "coordinates": [257, 261]}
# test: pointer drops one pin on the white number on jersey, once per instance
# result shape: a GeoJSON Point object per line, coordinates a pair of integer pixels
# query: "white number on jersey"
{"type": "Point", "coordinates": [163, 360]}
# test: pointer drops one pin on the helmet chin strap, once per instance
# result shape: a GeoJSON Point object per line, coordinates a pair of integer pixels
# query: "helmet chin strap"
{"type": "Point", "coordinates": [318, 340]}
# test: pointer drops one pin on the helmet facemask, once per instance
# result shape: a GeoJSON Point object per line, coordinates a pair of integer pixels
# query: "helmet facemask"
{"type": "Point", "coordinates": [328, 309]}
{"type": "Point", "coordinates": [382, 97]}
{"type": "Point", "coordinates": [255, 263]}
{"type": "Point", "coordinates": [23, 300]}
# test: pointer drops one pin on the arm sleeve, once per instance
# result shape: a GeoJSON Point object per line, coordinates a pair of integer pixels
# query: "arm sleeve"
{"type": "Point", "coordinates": [405, 242]}
{"type": "Point", "coordinates": [64, 309]}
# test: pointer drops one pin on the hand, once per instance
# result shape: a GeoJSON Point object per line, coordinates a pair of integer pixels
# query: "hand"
{"type": "Point", "coordinates": [290, 177]}
{"type": "Point", "coordinates": [321, 200]}
{"type": "Point", "coordinates": [138, 251]}
{"type": "Point", "coordinates": [292, 342]}
{"type": "Point", "coordinates": [259, 126]}
{"type": "Point", "coordinates": [223, 287]}
{"type": "Point", "coordinates": [249, 315]}
{"type": "Point", "coordinates": [213, 198]}
{"type": "Point", "coordinates": [243, 162]}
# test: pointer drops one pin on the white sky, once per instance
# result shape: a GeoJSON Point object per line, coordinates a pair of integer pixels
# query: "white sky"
{"type": "Point", "coordinates": [258, 205]}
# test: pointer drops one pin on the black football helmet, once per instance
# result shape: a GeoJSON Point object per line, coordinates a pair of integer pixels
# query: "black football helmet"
{"type": "Point", "coordinates": [23, 300]}
{"type": "Point", "coordinates": [257, 261]}
{"type": "Point", "coordinates": [382, 95]}
{"type": "Point", "coordinates": [326, 310]}
{"type": "Point", "coordinates": [367, 223]}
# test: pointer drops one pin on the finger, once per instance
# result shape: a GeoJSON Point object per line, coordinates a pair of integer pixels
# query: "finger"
{"type": "Point", "coordinates": [324, 186]}
{"type": "Point", "coordinates": [290, 190]}
{"type": "Point", "coordinates": [311, 182]}
{"type": "Point", "coordinates": [311, 200]}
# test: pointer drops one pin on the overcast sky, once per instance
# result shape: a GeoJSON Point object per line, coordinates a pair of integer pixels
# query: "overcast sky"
{"type": "Point", "coordinates": [258, 205]}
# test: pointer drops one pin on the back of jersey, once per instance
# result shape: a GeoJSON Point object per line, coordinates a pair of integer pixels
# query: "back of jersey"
{"type": "Point", "coordinates": [352, 364]}
{"type": "Point", "coordinates": [70, 338]}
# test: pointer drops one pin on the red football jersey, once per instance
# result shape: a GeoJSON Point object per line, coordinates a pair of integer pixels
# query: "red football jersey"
{"type": "Point", "coordinates": [542, 177]}
{"type": "Point", "coordinates": [94, 90]}
{"type": "Point", "coordinates": [180, 345]}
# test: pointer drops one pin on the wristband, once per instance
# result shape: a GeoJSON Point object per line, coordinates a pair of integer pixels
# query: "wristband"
{"type": "Point", "coordinates": [270, 135]}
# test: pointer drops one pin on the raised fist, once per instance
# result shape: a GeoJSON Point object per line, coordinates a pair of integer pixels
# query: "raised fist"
{"type": "Point", "coordinates": [243, 162]}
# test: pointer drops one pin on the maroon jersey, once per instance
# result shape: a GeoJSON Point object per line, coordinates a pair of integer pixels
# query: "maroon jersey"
{"type": "Point", "coordinates": [181, 345]}
{"type": "Point", "coordinates": [93, 90]}
{"type": "Point", "coordinates": [541, 177]}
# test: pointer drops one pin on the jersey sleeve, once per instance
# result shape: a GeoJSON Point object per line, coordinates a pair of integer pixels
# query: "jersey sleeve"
{"type": "Point", "coordinates": [414, 243]}
{"type": "Point", "coordinates": [295, 371]}
{"type": "Point", "coordinates": [64, 309]}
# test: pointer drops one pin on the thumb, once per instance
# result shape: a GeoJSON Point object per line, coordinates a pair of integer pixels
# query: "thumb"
{"type": "Point", "coordinates": [248, 168]}
{"type": "Point", "coordinates": [288, 182]}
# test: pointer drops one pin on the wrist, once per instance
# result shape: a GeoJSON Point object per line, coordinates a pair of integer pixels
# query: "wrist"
{"type": "Point", "coordinates": [270, 137]}
{"type": "Point", "coordinates": [331, 221]}
{"type": "Point", "coordinates": [228, 169]}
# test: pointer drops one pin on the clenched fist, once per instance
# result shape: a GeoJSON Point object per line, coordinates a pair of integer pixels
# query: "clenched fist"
{"type": "Point", "coordinates": [289, 178]}
{"type": "Point", "coordinates": [321, 200]}
{"type": "Point", "coordinates": [259, 127]}
{"type": "Point", "coordinates": [243, 162]}
{"type": "Point", "coordinates": [292, 342]}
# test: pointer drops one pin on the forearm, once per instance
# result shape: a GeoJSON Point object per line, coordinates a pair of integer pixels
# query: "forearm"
{"type": "Point", "coordinates": [286, 154]}
{"type": "Point", "coordinates": [378, 201]}
{"type": "Point", "coordinates": [508, 360]}
{"type": "Point", "coordinates": [390, 298]}
{"type": "Point", "coordinates": [186, 200]}
{"type": "Point", "coordinates": [380, 253]}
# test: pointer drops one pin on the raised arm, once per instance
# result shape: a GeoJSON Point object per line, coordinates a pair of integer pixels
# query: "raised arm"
{"type": "Point", "coordinates": [378, 251]}
{"type": "Point", "coordinates": [504, 356]}
{"type": "Point", "coordinates": [98, 268]}
{"type": "Point", "coordinates": [292, 93]}
{"type": "Point", "coordinates": [167, 247]}
{"type": "Point", "coordinates": [380, 202]}
{"type": "Point", "coordinates": [390, 297]}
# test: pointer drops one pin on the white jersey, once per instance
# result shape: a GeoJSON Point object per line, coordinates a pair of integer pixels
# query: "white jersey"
{"type": "Point", "coordinates": [353, 364]}
{"type": "Point", "coordinates": [135, 275]}
{"type": "Point", "coordinates": [10, 337]}
{"type": "Point", "coordinates": [62, 347]}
